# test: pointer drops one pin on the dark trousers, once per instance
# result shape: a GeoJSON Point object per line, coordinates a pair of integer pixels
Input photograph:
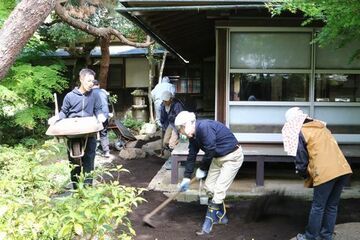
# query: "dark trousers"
{"type": "Point", "coordinates": [324, 208]}
{"type": "Point", "coordinates": [87, 162]}
{"type": "Point", "coordinates": [104, 139]}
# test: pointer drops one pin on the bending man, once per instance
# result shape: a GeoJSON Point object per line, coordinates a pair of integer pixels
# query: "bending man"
{"type": "Point", "coordinates": [220, 164]}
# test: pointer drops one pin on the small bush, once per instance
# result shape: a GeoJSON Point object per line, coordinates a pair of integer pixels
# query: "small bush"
{"type": "Point", "coordinates": [31, 205]}
{"type": "Point", "coordinates": [133, 123]}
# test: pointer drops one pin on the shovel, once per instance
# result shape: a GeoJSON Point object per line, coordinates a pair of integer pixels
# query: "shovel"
{"type": "Point", "coordinates": [147, 217]}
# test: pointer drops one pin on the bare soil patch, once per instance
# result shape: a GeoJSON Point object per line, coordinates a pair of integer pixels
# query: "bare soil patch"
{"type": "Point", "coordinates": [180, 221]}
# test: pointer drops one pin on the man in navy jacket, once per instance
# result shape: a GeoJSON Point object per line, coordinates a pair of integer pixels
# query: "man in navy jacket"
{"type": "Point", "coordinates": [222, 159]}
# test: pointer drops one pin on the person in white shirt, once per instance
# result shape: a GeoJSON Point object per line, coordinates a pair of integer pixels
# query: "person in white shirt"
{"type": "Point", "coordinates": [156, 94]}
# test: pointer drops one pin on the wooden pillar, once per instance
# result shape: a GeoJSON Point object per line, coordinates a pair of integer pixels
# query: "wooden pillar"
{"type": "Point", "coordinates": [221, 76]}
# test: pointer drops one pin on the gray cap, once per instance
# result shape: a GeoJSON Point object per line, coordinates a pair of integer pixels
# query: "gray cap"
{"type": "Point", "coordinates": [166, 96]}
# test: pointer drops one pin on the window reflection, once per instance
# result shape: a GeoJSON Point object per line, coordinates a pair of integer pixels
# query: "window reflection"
{"type": "Point", "coordinates": [285, 50]}
{"type": "Point", "coordinates": [337, 88]}
{"type": "Point", "coordinates": [269, 87]}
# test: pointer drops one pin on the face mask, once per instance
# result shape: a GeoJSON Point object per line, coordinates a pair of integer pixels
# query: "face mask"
{"type": "Point", "coordinates": [183, 137]}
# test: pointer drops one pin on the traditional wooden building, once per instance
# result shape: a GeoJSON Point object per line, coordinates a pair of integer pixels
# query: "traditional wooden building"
{"type": "Point", "coordinates": [128, 70]}
{"type": "Point", "coordinates": [248, 67]}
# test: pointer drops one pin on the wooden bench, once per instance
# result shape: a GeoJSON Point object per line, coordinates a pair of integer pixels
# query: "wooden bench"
{"type": "Point", "coordinates": [259, 153]}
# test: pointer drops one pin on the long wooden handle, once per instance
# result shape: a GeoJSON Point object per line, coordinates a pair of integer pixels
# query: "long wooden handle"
{"type": "Point", "coordinates": [56, 104]}
{"type": "Point", "coordinates": [166, 202]}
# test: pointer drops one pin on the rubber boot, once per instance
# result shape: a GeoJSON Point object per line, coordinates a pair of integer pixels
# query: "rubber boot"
{"type": "Point", "coordinates": [221, 214]}
{"type": "Point", "coordinates": [212, 217]}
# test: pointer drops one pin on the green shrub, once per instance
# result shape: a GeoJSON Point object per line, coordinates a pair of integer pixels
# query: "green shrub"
{"type": "Point", "coordinates": [32, 207]}
{"type": "Point", "coordinates": [27, 92]}
{"type": "Point", "coordinates": [112, 136]}
{"type": "Point", "coordinates": [96, 211]}
{"type": "Point", "coordinates": [133, 123]}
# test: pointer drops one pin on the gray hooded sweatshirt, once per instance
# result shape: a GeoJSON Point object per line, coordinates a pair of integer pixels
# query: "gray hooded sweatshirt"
{"type": "Point", "coordinates": [76, 104]}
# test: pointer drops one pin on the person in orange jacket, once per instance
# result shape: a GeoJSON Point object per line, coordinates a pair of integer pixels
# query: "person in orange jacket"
{"type": "Point", "coordinates": [319, 160]}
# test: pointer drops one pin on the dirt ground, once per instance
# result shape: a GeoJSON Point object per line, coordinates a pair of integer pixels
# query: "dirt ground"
{"type": "Point", "coordinates": [282, 219]}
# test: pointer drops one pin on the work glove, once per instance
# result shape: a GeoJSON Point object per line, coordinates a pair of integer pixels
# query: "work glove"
{"type": "Point", "coordinates": [101, 118]}
{"type": "Point", "coordinates": [53, 119]}
{"type": "Point", "coordinates": [159, 126]}
{"type": "Point", "coordinates": [184, 185]}
{"type": "Point", "coordinates": [200, 174]}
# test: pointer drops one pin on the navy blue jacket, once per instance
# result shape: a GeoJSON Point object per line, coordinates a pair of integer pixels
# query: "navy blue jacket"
{"type": "Point", "coordinates": [302, 157]}
{"type": "Point", "coordinates": [167, 119]}
{"type": "Point", "coordinates": [76, 104]}
{"type": "Point", "coordinates": [214, 138]}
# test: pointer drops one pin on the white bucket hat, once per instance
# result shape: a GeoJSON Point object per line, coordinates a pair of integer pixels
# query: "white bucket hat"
{"type": "Point", "coordinates": [183, 118]}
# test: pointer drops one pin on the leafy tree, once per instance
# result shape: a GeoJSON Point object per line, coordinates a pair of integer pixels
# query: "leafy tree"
{"type": "Point", "coordinates": [99, 19]}
{"type": "Point", "coordinates": [341, 18]}
{"type": "Point", "coordinates": [86, 15]}
{"type": "Point", "coordinates": [27, 89]}
{"type": "Point", "coordinates": [19, 27]}
{"type": "Point", "coordinates": [102, 19]}
{"type": "Point", "coordinates": [33, 86]}
{"type": "Point", "coordinates": [26, 92]}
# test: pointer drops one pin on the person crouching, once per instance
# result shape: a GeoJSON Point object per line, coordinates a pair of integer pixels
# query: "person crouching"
{"type": "Point", "coordinates": [170, 108]}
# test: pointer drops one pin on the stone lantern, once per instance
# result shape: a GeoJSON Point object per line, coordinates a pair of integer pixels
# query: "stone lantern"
{"type": "Point", "coordinates": [139, 107]}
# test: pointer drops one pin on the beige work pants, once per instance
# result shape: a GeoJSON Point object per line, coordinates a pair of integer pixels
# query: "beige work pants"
{"type": "Point", "coordinates": [221, 174]}
{"type": "Point", "coordinates": [170, 138]}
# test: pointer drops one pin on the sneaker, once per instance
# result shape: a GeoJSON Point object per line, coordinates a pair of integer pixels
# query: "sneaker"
{"type": "Point", "coordinates": [168, 164]}
{"type": "Point", "coordinates": [107, 154]}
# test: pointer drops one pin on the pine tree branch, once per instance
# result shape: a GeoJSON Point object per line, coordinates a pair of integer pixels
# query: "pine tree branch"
{"type": "Point", "coordinates": [97, 32]}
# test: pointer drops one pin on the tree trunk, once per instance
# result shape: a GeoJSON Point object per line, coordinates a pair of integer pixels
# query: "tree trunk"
{"type": "Point", "coordinates": [82, 58]}
{"type": "Point", "coordinates": [105, 61]}
{"type": "Point", "coordinates": [18, 29]}
{"type": "Point", "coordinates": [74, 74]}
{"type": "Point", "coordinates": [87, 48]}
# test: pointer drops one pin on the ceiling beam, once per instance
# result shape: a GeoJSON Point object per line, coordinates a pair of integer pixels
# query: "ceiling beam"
{"type": "Point", "coordinates": [197, 8]}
